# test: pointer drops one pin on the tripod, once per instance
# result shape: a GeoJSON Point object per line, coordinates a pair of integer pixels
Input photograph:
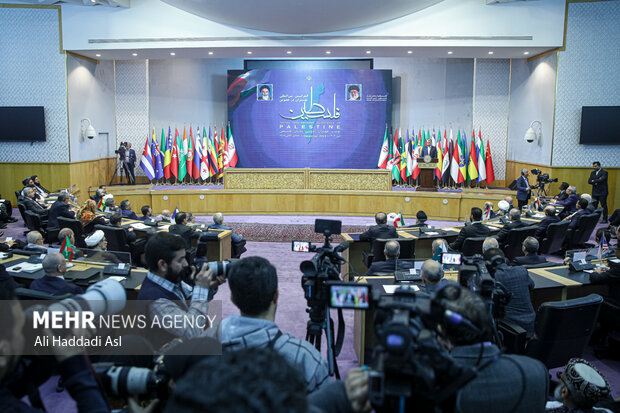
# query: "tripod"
{"type": "Point", "coordinates": [119, 166]}
{"type": "Point", "coordinates": [320, 319]}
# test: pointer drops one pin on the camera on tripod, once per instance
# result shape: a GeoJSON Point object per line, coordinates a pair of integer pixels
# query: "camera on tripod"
{"type": "Point", "coordinates": [122, 147]}
{"type": "Point", "coordinates": [542, 178]}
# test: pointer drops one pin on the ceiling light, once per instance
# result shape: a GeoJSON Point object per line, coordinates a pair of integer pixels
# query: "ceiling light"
{"type": "Point", "coordinates": [526, 53]}
{"type": "Point", "coordinates": [409, 51]}
{"type": "Point", "coordinates": [367, 51]}
{"type": "Point", "coordinates": [328, 52]}
{"type": "Point", "coordinates": [288, 52]}
{"type": "Point", "coordinates": [490, 52]}
{"type": "Point", "coordinates": [210, 53]}
{"type": "Point", "coordinates": [450, 52]}
{"type": "Point", "coordinates": [134, 54]}
{"type": "Point", "coordinates": [249, 52]}
{"type": "Point", "coordinates": [172, 54]}
{"type": "Point", "coordinates": [98, 55]}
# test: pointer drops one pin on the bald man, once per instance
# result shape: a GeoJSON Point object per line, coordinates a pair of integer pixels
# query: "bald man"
{"type": "Point", "coordinates": [53, 282]}
{"type": "Point", "coordinates": [391, 263]}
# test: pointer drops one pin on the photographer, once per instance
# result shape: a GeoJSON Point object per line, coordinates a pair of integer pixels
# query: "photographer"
{"type": "Point", "coordinates": [524, 191]}
{"type": "Point", "coordinates": [169, 295]}
{"type": "Point", "coordinates": [504, 383]}
{"type": "Point", "coordinates": [17, 378]}
{"type": "Point", "coordinates": [128, 157]}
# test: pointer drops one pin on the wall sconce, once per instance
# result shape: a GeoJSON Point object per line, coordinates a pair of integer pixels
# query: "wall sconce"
{"type": "Point", "coordinates": [89, 131]}
{"type": "Point", "coordinates": [531, 135]}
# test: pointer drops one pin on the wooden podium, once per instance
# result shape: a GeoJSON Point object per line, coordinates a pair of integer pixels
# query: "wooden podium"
{"type": "Point", "coordinates": [427, 174]}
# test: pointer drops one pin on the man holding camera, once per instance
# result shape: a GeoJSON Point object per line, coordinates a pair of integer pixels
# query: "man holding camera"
{"type": "Point", "coordinates": [167, 292]}
{"type": "Point", "coordinates": [128, 157]}
{"type": "Point", "coordinates": [524, 191]}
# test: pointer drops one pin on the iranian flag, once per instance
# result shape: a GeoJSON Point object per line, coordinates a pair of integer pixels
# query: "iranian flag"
{"type": "Point", "coordinates": [383, 156]}
{"type": "Point", "coordinates": [482, 170]}
{"type": "Point", "coordinates": [399, 221]}
{"type": "Point", "coordinates": [232, 149]}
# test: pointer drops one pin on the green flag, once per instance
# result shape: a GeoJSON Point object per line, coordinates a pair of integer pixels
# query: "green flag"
{"type": "Point", "coordinates": [182, 144]}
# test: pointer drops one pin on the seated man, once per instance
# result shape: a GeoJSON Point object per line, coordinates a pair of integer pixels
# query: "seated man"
{"type": "Point", "coordinates": [582, 210]}
{"type": "Point", "coordinates": [60, 208]}
{"type": "Point", "coordinates": [475, 229]}
{"type": "Point", "coordinates": [147, 212]}
{"type": "Point", "coordinates": [420, 220]}
{"type": "Point", "coordinates": [116, 220]}
{"type": "Point", "coordinates": [508, 200]}
{"type": "Point", "coordinates": [38, 186]}
{"type": "Point", "coordinates": [110, 204]}
{"type": "Point", "coordinates": [432, 276]}
{"type": "Point", "coordinates": [253, 285]}
{"type": "Point", "coordinates": [31, 205]}
{"type": "Point", "coordinates": [569, 203]}
{"type": "Point", "coordinates": [62, 234]}
{"type": "Point", "coordinates": [503, 379]}
{"type": "Point", "coordinates": [489, 242]}
{"type": "Point", "coordinates": [518, 282]}
{"type": "Point", "coordinates": [580, 388]}
{"type": "Point", "coordinates": [6, 212]}
{"type": "Point", "coordinates": [591, 208]}
{"type": "Point", "coordinates": [530, 249]}
{"type": "Point", "coordinates": [550, 218]}
{"type": "Point", "coordinates": [35, 242]}
{"type": "Point", "coordinates": [391, 263]}
{"type": "Point", "coordinates": [181, 228]}
{"type": "Point", "coordinates": [438, 246]}
{"type": "Point", "coordinates": [515, 222]}
{"type": "Point", "coordinates": [53, 282]}
{"type": "Point", "coordinates": [165, 216]}
{"type": "Point", "coordinates": [562, 195]}
{"type": "Point", "coordinates": [487, 211]}
{"type": "Point", "coordinates": [99, 194]}
{"type": "Point", "coordinates": [381, 230]}
{"type": "Point", "coordinates": [126, 210]}
{"type": "Point", "coordinates": [97, 241]}
{"type": "Point", "coordinates": [166, 292]}
{"type": "Point", "coordinates": [238, 243]}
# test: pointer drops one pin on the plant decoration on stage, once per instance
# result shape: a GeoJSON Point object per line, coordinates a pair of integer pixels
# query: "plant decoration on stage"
{"type": "Point", "coordinates": [196, 158]}
{"type": "Point", "coordinates": [459, 164]}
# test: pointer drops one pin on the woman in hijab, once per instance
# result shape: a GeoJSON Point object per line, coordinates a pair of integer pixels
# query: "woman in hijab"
{"type": "Point", "coordinates": [86, 215]}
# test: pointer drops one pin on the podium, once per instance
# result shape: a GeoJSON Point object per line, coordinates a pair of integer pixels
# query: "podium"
{"type": "Point", "coordinates": [427, 167]}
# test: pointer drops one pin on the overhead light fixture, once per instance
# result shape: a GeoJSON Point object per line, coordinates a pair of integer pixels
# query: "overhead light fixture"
{"type": "Point", "coordinates": [526, 53]}
{"type": "Point", "coordinates": [173, 54]}
{"type": "Point", "coordinates": [88, 131]}
{"type": "Point", "coordinates": [328, 52]}
{"type": "Point", "coordinates": [210, 53]}
{"type": "Point", "coordinates": [98, 55]}
{"type": "Point", "coordinates": [531, 135]}
{"type": "Point", "coordinates": [249, 52]}
{"type": "Point", "coordinates": [450, 52]}
{"type": "Point", "coordinates": [409, 51]}
{"type": "Point", "coordinates": [367, 51]}
{"type": "Point", "coordinates": [134, 54]}
{"type": "Point", "coordinates": [490, 52]}
{"type": "Point", "coordinates": [288, 52]}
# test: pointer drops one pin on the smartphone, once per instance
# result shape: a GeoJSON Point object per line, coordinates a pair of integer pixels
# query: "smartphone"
{"type": "Point", "coordinates": [349, 295]}
{"type": "Point", "coordinates": [450, 259]}
{"type": "Point", "coordinates": [301, 246]}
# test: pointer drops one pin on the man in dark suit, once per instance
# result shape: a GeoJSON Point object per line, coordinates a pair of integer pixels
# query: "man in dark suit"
{"type": "Point", "coordinates": [475, 229]}
{"type": "Point", "coordinates": [129, 163]}
{"type": "Point", "coordinates": [569, 204]}
{"type": "Point", "coordinates": [116, 220]}
{"type": "Point", "coordinates": [35, 242]}
{"type": "Point", "coordinates": [391, 263]}
{"type": "Point", "coordinates": [598, 180]}
{"type": "Point", "coordinates": [31, 205]}
{"type": "Point", "coordinates": [381, 230]}
{"type": "Point", "coordinates": [550, 218]}
{"type": "Point", "coordinates": [487, 212]}
{"type": "Point", "coordinates": [147, 212]}
{"type": "Point", "coordinates": [562, 195]}
{"type": "Point", "coordinates": [523, 189]}
{"type": "Point", "coordinates": [582, 209]}
{"type": "Point", "coordinates": [530, 249]}
{"type": "Point", "coordinates": [181, 228]}
{"type": "Point", "coordinates": [126, 210]}
{"type": "Point", "coordinates": [429, 150]}
{"type": "Point", "coordinates": [53, 281]}
{"type": "Point", "coordinates": [60, 208]}
{"type": "Point", "coordinates": [432, 276]}
{"type": "Point", "coordinates": [505, 378]}
{"type": "Point", "coordinates": [515, 222]}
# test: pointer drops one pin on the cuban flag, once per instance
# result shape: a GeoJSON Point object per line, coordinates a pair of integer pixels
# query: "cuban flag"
{"type": "Point", "coordinates": [147, 161]}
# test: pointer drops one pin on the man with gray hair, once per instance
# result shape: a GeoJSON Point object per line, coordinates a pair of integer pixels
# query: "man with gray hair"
{"type": "Point", "coordinates": [439, 246]}
{"type": "Point", "coordinates": [570, 203]}
{"type": "Point", "coordinates": [35, 242]}
{"type": "Point", "coordinates": [391, 263]}
{"type": "Point", "coordinates": [531, 257]}
{"type": "Point", "coordinates": [523, 188]}
{"type": "Point", "coordinates": [432, 276]}
{"type": "Point", "coordinates": [53, 282]}
{"type": "Point", "coordinates": [515, 222]}
{"type": "Point", "coordinates": [489, 242]}
{"type": "Point", "coordinates": [550, 218]}
{"type": "Point", "coordinates": [588, 198]}
{"type": "Point", "coordinates": [31, 205]}
{"type": "Point", "coordinates": [238, 243]}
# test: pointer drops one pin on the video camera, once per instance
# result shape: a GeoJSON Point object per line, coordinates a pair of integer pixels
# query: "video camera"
{"type": "Point", "coordinates": [122, 147]}
{"type": "Point", "coordinates": [542, 178]}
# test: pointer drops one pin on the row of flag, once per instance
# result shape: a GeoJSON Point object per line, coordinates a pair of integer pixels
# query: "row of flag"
{"type": "Point", "coordinates": [456, 159]}
{"type": "Point", "coordinates": [194, 155]}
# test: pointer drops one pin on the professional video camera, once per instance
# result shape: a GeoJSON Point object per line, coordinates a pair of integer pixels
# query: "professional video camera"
{"type": "Point", "coordinates": [541, 177]}
{"type": "Point", "coordinates": [323, 267]}
{"type": "Point", "coordinates": [122, 147]}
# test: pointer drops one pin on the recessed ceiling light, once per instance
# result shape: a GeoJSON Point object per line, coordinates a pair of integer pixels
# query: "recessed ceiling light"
{"type": "Point", "coordinates": [409, 51]}
{"type": "Point", "coordinates": [367, 51]}
{"type": "Point", "coordinates": [288, 52]}
{"type": "Point", "coordinates": [98, 55]}
{"type": "Point", "coordinates": [210, 53]}
{"type": "Point", "coordinates": [490, 52]}
{"type": "Point", "coordinates": [328, 52]}
{"type": "Point", "coordinates": [93, 1]}
{"type": "Point", "coordinates": [172, 54]}
{"type": "Point", "coordinates": [450, 52]}
{"type": "Point", "coordinates": [249, 52]}
{"type": "Point", "coordinates": [526, 52]}
{"type": "Point", "coordinates": [134, 54]}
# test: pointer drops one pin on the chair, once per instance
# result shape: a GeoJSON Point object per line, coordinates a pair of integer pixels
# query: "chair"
{"type": "Point", "coordinates": [562, 330]}
{"type": "Point", "coordinates": [472, 246]}
{"type": "Point", "coordinates": [18, 195]}
{"type": "Point", "coordinates": [582, 233]}
{"type": "Point", "coordinates": [22, 211]}
{"type": "Point", "coordinates": [28, 294]}
{"type": "Point", "coordinates": [76, 227]}
{"type": "Point", "coordinates": [554, 237]}
{"type": "Point", "coordinates": [515, 241]}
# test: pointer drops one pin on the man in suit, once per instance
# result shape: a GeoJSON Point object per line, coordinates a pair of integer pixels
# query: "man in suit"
{"type": "Point", "coordinates": [591, 208]}
{"type": "Point", "coordinates": [432, 276]}
{"type": "Point", "coordinates": [598, 180]}
{"type": "Point", "coordinates": [238, 243]}
{"type": "Point", "coordinates": [60, 208]}
{"type": "Point", "coordinates": [523, 189]}
{"type": "Point", "coordinates": [31, 205]}
{"type": "Point", "coordinates": [515, 222]}
{"type": "Point", "coordinates": [99, 194]}
{"type": "Point", "coordinates": [550, 218]}
{"type": "Point", "coordinates": [391, 263]}
{"type": "Point", "coordinates": [181, 228]}
{"type": "Point", "coordinates": [530, 249]}
{"type": "Point", "coordinates": [381, 230]}
{"type": "Point", "coordinates": [505, 378]}
{"type": "Point", "coordinates": [116, 220]}
{"type": "Point", "coordinates": [570, 203]}
{"type": "Point", "coordinates": [475, 229]}
{"type": "Point", "coordinates": [582, 210]}
{"type": "Point", "coordinates": [129, 163]}
{"type": "Point", "coordinates": [126, 210]}
{"type": "Point", "coordinates": [147, 212]}
{"type": "Point", "coordinates": [35, 242]}
{"type": "Point", "coordinates": [487, 212]}
{"type": "Point", "coordinates": [53, 282]}
{"type": "Point", "coordinates": [562, 195]}
{"type": "Point", "coordinates": [429, 150]}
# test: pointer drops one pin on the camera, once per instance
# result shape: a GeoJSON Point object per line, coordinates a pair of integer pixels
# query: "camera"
{"type": "Point", "coordinates": [133, 381]}
{"type": "Point", "coordinates": [542, 178]}
{"type": "Point", "coordinates": [478, 275]}
{"type": "Point", "coordinates": [218, 267]}
{"type": "Point", "coordinates": [122, 147]}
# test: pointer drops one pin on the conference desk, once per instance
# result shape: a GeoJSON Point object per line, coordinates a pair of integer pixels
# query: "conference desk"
{"type": "Point", "coordinates": [556, 283]}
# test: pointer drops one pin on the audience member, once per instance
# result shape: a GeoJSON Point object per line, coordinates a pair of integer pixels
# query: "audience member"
{"type": "Point", "coordinates": [29, 183]}
{"type": "Point", "coordinates": [582, 206]}
{"type": "Point", "coordinates": [489, 242]}
{"type": "Point", "coordinates": [38, 186]}
{"type": "Point", "coordinates": [254, 290]}
{"type": "Point", "coordinates": [432, 276]}
{"type": "Point", "coordinates": [165, 216]}
{"type": "Point", "coordinates": [550, 218]}
{"type": "Point", "coordinates": [381, 230]}
{"type": "Point", "coordinates": [6, 212]}
{"type": "Point", "coordinates": [517, 281]}
{"type": "Point", "coordinates": [60, 208]}
{"type": "Point", "coordinates": [66, 232]}
{"type": "Point", "coordinates": [168, 294]}
{"type": "Point", "coordinates": [530, 249]}
{"type": "Point", "coordinates": [504, 382]}
{"type": "Point", "coordinates": [35, 242]}
{"type": "Point", "coordinates": [420, 220]}
{"type": "Point", "coordinates": [97, 241]}
{"type": "Point", "coordinates": [475, 229]}
{"type": "Point", "coordinates": [588, 198]}
{"type": "Point", "coordinates": [504, 207]}
{"type": "Point", "coordinates": [508, 200]}
{"type": "Point", "coordinates": [238, 243]}
{"type": "Point", "coordinates": [147, 212]}
{"type": "Point", "coordinates": [562, 195]}
{"type": "Point", "coordinates": [182, 229]}
{"type": "Point", "coordinates": [116, 220]}
{"type": "Point", "coordinates": [110, 204]}
{"type": "Point", "coordinates": [191, 219]}
{"type": "Point", "coordinates": [33, 206]}
{"type": "Point", "coordinates": [53, 282]}
{"type": "Point", "coordinates": [487, 211]}
{"type": "Point", "coordinates": [126, 210]}
{"type": "Point", "coordinates": [438, 246]}
{"type": "Point", "coordinates": [569, 203]}
{"type": "Point", "coordinates": [99, 194]}
{"type": "Point", "coordinates": [87, 216]}
{"type": "Point", "coordinates": [581, 386]}
{"type": "Point", "coordinates": [391, 263]}
{"type": "Point", "coordinates": [515, 222]}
